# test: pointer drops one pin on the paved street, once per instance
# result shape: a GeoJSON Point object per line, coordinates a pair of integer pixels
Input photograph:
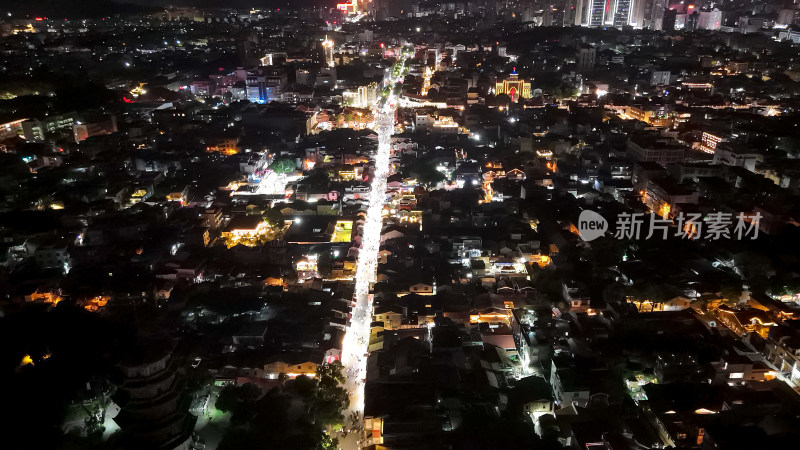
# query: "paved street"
{"type": "Point", "coordinates": [356, 341]}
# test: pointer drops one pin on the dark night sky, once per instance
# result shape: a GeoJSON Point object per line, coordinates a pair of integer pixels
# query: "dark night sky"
{"type": "Point", "coordinates": [82, 8]}
{"type": "Point", "coordinates": [230, 3]}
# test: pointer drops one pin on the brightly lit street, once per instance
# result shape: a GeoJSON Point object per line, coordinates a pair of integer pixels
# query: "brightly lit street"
{"type": "Point", "coordinates": [356, 340]}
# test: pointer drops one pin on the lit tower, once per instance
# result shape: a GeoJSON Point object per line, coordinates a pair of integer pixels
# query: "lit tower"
{"type": "Point", "coordinates": [327, 51]}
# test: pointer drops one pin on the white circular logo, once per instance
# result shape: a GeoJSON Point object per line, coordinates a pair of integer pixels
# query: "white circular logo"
{"type": "Point", "coordinates": [591, 225]}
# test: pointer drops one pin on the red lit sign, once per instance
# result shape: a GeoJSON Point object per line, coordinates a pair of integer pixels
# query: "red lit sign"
{"type": "Point", "coordinates": [348, 8]}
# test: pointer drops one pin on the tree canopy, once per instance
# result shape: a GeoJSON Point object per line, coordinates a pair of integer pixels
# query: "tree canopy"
{"type": "Point", "coordinates": [272, 421]}
{"type": "Point", "coordinates": [283, 165]}
{"type": "Point", "coordinates": [274, 217]}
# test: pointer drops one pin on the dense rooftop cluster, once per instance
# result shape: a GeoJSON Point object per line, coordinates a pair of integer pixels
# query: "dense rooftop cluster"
{"type": "Point", "coordinates": [587, 239]}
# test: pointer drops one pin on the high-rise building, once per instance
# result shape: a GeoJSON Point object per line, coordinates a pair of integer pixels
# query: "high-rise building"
{"type": "Point", "coordinates": [670, 17]}
{"type": "Point", "coordinates": [327, 52]}
{"type": "Point", "coordinates": [246, 46]}
{"type": "Point", "coordinates": [680, 21]}
{"type": "Point", "coordinates": [491, 11]}
{"type": "Point", "coordinates": [654, 14]}
{"type": "Point", "coordinates": [622, 13]}
{"type": "Point", "coordinates": [586, 59]}
{"type": "Point", "coordinates": [709, 20]}
{"type": "Point", "coordinates": [638, 13]}
{"type": "Point", "coordinates": [350, 7]}
{"type": "Point", "coordinates": [265, 84]}
{"type": "Point", "coordinates": [788, 17]}
{"type": "Point", "coordinates": [367, 95]}
{"type": "Point", "coordinates": [573, 12]}
{"type": "Point", "coordinates": [596, 14]}
{"type": "Point", "coordinates": [692, 21]}
{"type": "Point", "coordinates": [553, 13]}
{"type": "Point", "coordinates": [384, 9]}
{"type": "Point", "coordinates": [618, 13]}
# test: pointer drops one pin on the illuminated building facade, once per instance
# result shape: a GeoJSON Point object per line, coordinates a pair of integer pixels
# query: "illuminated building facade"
{"type": "Point", "coordinates": [368, 95]}
{"type": "Point", "coordinates": [710, 141]}
{"type": "Point", "coordinates": [656, 118]}
{"type": "Point", "coordinates": [622, 13]}
{"type": "Point", "coordinates": [596, 16]}
{"type": "Point", "coordinates": [290, 365]}
{"type": "Point", "coordinates": [38, 130]}
{"type": "Point", "coordinates": [101, 127]}
{"type": "Point", "coordinates": [249, 231]}
{"type": "Point", "coordinates": [94, 304]}
{"type": "Point", "coordinates": [350, 8]}
{"type": "Point", "coordinates": [327, 52]}
{"type": "Point", "coordinates": [746, 320]}
{"type": "Point", "coordinates": [306, 267]}
{"type": "Point", "coordinates": [662, 195]}
{"type": "Point", "coordinates": [225, 145]}
{"type": "Point", "coordinates": [11, 129]}
{"type": "Point", "coordinates": [364, 97]}
{"type": "Point", "coordinates": [514, 87]}
{"type": "Point", "coordinates": [598, 13]}
{"type": "Point", "coordinates": [445, 124]}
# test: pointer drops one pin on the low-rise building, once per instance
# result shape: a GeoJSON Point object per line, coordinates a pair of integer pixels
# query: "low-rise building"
{"type": "Point", "coordinates": [292, 364]}
{"type": "Point", "coordinates": [650, 147]}
{"type": "Point", "coordinates": [732, 154]}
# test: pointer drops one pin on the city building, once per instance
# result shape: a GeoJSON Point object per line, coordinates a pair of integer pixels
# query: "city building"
{"type": "Point", "coordinates": [623, 12]}
{"type": "Point", "coordinates": [598, 12]}
{"type": "Point", "coordinates": [327, 52]}
{"type": "Point", "coordinates": [586, 59]}
{"type": "Point", "coordinates": [53, 257]}
{"type": "Point", "coordinates": [650, 147]}
{"type": "Point", "coordinates": [35, 130]}
{"type": "Point", "coordinates": [361, 226]}
{"type": "Point", "coordinates": [663, 196]}
{"type": "Point", "coordinates": [514, 87]}
{"type": "Point", "coordinates": [660, 77]}
{"type": "Point", "coordinates": [709, 20]}
{"type": "Point", "coordinates": [154, 408]}
{"type": "Point", "coordinates": [734, 154]}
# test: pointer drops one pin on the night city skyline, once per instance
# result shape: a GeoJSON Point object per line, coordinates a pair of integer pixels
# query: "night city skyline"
{"type": "Point", "coordinates": [400, 224]}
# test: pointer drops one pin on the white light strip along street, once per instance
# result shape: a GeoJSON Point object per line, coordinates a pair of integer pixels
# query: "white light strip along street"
{"type": "Point", "coordinates": [356, 340]}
